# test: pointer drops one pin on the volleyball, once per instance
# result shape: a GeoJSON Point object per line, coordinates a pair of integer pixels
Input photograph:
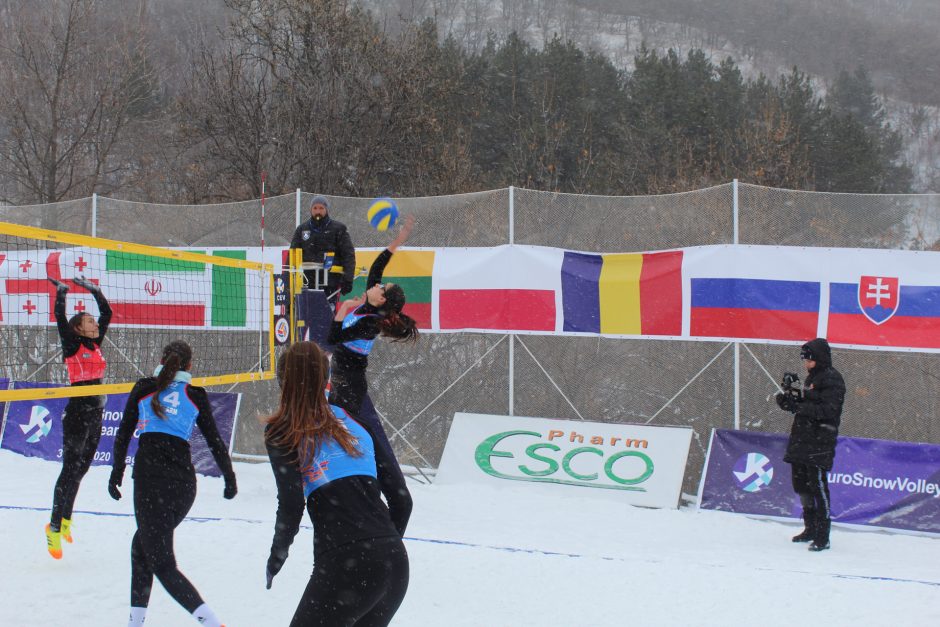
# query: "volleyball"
{"type": "Point", "coordinates": [382, 214]}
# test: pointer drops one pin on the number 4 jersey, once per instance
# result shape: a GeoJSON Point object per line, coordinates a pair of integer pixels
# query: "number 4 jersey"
{"type": "Point", "coordinates": [163, 450]}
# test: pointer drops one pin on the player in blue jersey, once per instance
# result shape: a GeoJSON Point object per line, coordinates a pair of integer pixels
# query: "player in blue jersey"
{"type": "Point", "coordinates": [327, 462]}
{"type": "Point", "coordinates": [358, 322]}
{"type": "Point", "coordinates": [164, 408]}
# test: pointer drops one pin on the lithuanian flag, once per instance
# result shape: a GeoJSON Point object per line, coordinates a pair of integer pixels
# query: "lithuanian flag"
{"type": "Point", "coordinates": [409, 268]}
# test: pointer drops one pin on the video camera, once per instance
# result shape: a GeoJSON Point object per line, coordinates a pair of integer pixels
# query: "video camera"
{"type": "Point", "coordinates": [792, 386]}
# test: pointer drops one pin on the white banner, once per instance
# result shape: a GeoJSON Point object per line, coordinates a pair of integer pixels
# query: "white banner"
{"type": "Point", "coordinates": [633, 464]}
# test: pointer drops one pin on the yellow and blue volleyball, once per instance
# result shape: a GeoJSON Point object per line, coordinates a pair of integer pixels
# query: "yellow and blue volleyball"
{"type": "Point", "coordinates": [382, 214]}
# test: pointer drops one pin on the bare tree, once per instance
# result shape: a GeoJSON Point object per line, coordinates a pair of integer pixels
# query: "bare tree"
{"type": "Point", "coordinates": [75, 78]}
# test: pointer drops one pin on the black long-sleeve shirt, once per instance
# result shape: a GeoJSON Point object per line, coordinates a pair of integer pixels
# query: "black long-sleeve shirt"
{"type": "Point", "coordinates": [72, 342]}
{"type": "Point", "coordinates": [162, 455]}
{"type": "Point", "coordinates": [342, 511]}
{"type": "Point", "coordinates": [366, 328]}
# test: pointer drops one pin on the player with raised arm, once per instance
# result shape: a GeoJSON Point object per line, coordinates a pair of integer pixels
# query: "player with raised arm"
{"type": "Point", "coordinates": [356, 325]}
{"type": "Point", "coordinates": [81, 337]}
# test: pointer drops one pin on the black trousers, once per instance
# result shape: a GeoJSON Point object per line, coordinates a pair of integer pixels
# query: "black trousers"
{"type": "Point", "coordinates": [812, 486]}
{"type": "Point", "coordinates": [159, 507]}
{"type": "Point", "coordinates": [359, 584]}
{"type": "Point", "coordinates": [81, 431]}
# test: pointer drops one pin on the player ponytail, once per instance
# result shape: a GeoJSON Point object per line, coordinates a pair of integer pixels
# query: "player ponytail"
{"type": "Point", "coordinates": [176, 356]}
{"type": "Point", "coordinates": [394, 324]}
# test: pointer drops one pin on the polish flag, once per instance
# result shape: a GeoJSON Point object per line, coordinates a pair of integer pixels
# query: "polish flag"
{"type": "Point", "coordinates": [506, 288]}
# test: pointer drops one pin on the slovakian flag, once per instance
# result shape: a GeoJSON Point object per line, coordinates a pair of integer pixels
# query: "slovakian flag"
{"type": "Point", "coordinates": [506, 288]}
{"type": "Point", "coordinates": [412, 270]}
{"type": "Point", "coordinates": [754, 308]}
{"type": "Point", "coordinates": [622, 294]}
{"type": "Point", "coordinates": [880, 311]}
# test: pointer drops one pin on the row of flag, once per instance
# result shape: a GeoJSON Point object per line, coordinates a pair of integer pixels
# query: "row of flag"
{"type": "Point", "coordinates": [876, 298]}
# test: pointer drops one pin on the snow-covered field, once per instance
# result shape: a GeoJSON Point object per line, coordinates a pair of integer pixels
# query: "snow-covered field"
{"type": "Point", "coordinates": [478, 557]}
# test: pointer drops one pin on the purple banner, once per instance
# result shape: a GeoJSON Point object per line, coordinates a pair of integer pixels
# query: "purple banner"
{"type": "Point", "coordinates": [873, 482]}
{"type": "Point", "coordinates": [34, 428]}
{"type": "Point", "coordinates": [4, 384]}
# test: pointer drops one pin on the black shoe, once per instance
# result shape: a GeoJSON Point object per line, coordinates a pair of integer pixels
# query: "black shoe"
{"type": "Point", "coordinates": [818, 546]}
{"type": "Point", "coordinates": [805, 536]}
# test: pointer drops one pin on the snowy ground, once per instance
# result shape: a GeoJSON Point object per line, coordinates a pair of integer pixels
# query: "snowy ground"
{"type": "Point", "coordinates": [478, 557]}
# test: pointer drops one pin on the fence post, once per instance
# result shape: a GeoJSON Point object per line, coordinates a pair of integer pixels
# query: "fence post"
{"type": "Point", "coordinates": [297, 209]}
{"type": "Point", "coordinates": [94, 214]}
{"type": "Point", "coordinates": [512, 338]}
{"type": "Point", "coordinates": [737, 345]}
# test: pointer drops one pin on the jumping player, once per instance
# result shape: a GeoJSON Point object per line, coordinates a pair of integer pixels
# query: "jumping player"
{"type": "Point", "coordinates": [164, 408]}
{"type": "Point", "coordinates": [323, 459]}
{"type": "Point", "coordinates": [81, 337]}
{"type": "Point", "coordinates": [356, 325]}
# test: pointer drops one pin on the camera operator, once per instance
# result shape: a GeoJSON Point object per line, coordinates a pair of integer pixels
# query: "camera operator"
{"type": "Point", "coordinates": [320, 235]}
{"type": "Point", "coordinates": [812, 446]}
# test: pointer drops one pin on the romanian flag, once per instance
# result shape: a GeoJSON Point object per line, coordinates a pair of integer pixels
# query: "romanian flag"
{"type": "Point", "coordinates": [409, 268]}
{"type": "Point", "coordinates": [622, 294]}
{"type": "Point", "coordinates": [754, 308]}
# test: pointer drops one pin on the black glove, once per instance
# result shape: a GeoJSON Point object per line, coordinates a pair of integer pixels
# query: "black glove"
{"type": "Point", "coordinates": [113, 484]}
{"type": "Point", "coordinates": [275, 562]}
{"type": "Point", "coordinates": [786, 402]}
{"type": "Point", "coordinates": [59, 285]}
{"type": "Point", "coordinates": [88, 285]}
{"type": "Point", "coordinates": [231, 489]}
{"type": "Point", "coordinates": [345, 286]}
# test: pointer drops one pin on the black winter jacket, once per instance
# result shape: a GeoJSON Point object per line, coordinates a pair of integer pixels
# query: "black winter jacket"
{"type": "Point", "coordinates": [816, 423]}
{"type": "Point", "coordinates": [329, 236]}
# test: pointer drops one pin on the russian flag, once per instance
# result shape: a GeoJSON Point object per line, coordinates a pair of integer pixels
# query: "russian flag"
{"type": "Point", "coordinates": [622, 294]}
{"type": "Point", "coordinates": [754, 308]}
{"type": "Point", "coordinates": [915, 324]}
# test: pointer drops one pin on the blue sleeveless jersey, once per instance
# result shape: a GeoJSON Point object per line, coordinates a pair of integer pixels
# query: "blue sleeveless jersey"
{"type": "Point", "coordinates": [179, 411]}
{"type": "Point", "coordinates": [362, 347]}
{"type": "Point", "coordinates": [331, 462]}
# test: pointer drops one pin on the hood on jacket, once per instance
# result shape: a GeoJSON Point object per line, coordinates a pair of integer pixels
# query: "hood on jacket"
{"type": "Point", "coordinates": [818, 350]}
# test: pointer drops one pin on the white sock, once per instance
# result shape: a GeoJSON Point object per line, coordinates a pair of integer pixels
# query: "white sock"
{"type": "Point", "coordinates": [138, 615]}
{"type": "Point", "coordinates": [205, 616]}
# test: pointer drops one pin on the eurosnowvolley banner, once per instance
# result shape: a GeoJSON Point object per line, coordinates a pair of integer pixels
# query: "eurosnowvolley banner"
{"type": "Point", "coordinates": [873, 482]}
{"type": "Point", "coordinates": [34, 428]}
{"type": "Point", "coordinates": [862, 298]}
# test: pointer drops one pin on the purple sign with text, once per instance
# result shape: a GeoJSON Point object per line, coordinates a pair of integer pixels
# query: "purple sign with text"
{"type": "Point", "coordinates": [873, 482]}
{"type": "Point", "coordinates": [34, 428]}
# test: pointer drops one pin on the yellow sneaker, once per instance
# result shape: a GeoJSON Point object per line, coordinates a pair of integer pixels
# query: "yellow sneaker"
{"type": "Point", "coordinates": [66, 530]}
{"type": "Point", "coordinates": [54, 542]}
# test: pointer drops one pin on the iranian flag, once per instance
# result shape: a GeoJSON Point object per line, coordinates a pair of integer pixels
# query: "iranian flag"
{"type": "Point", "coordinates": [142, 290]}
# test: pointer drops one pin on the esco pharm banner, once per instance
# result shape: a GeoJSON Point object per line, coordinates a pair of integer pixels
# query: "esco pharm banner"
{"type": "Point", "coordinates": [633, 464]}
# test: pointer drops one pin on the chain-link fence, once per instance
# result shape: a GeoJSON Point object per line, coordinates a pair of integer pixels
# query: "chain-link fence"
{"type": "Point", "coordinates": [417, 389]}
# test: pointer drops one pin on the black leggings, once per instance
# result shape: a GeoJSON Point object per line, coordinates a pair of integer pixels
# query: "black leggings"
{"type": "Point", "coordinates": [81, 431]}
{"type": "Point", "coordinates": [159, 507]}
{"type": "Point", "coordinates": [365, 595]}
{"type": "Point", "coordinates": [348, 388]}
{"type": "Point", "coordinates": [812, 486]}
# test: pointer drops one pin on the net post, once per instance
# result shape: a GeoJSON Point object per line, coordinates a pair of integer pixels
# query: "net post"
{"type": "Point", "coordinates": [94, 215]}
{"type": "Point", "coordinates": [297, 208]}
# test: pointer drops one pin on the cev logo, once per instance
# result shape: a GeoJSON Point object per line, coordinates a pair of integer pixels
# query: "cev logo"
{"type": "Point", "coordinates": [753, 472]}
{"type": "Point", "coordinates": [621, 476]}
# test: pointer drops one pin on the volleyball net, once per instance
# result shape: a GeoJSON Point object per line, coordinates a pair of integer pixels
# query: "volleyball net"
{"type": "Point", "coordinates": [217, 300]}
